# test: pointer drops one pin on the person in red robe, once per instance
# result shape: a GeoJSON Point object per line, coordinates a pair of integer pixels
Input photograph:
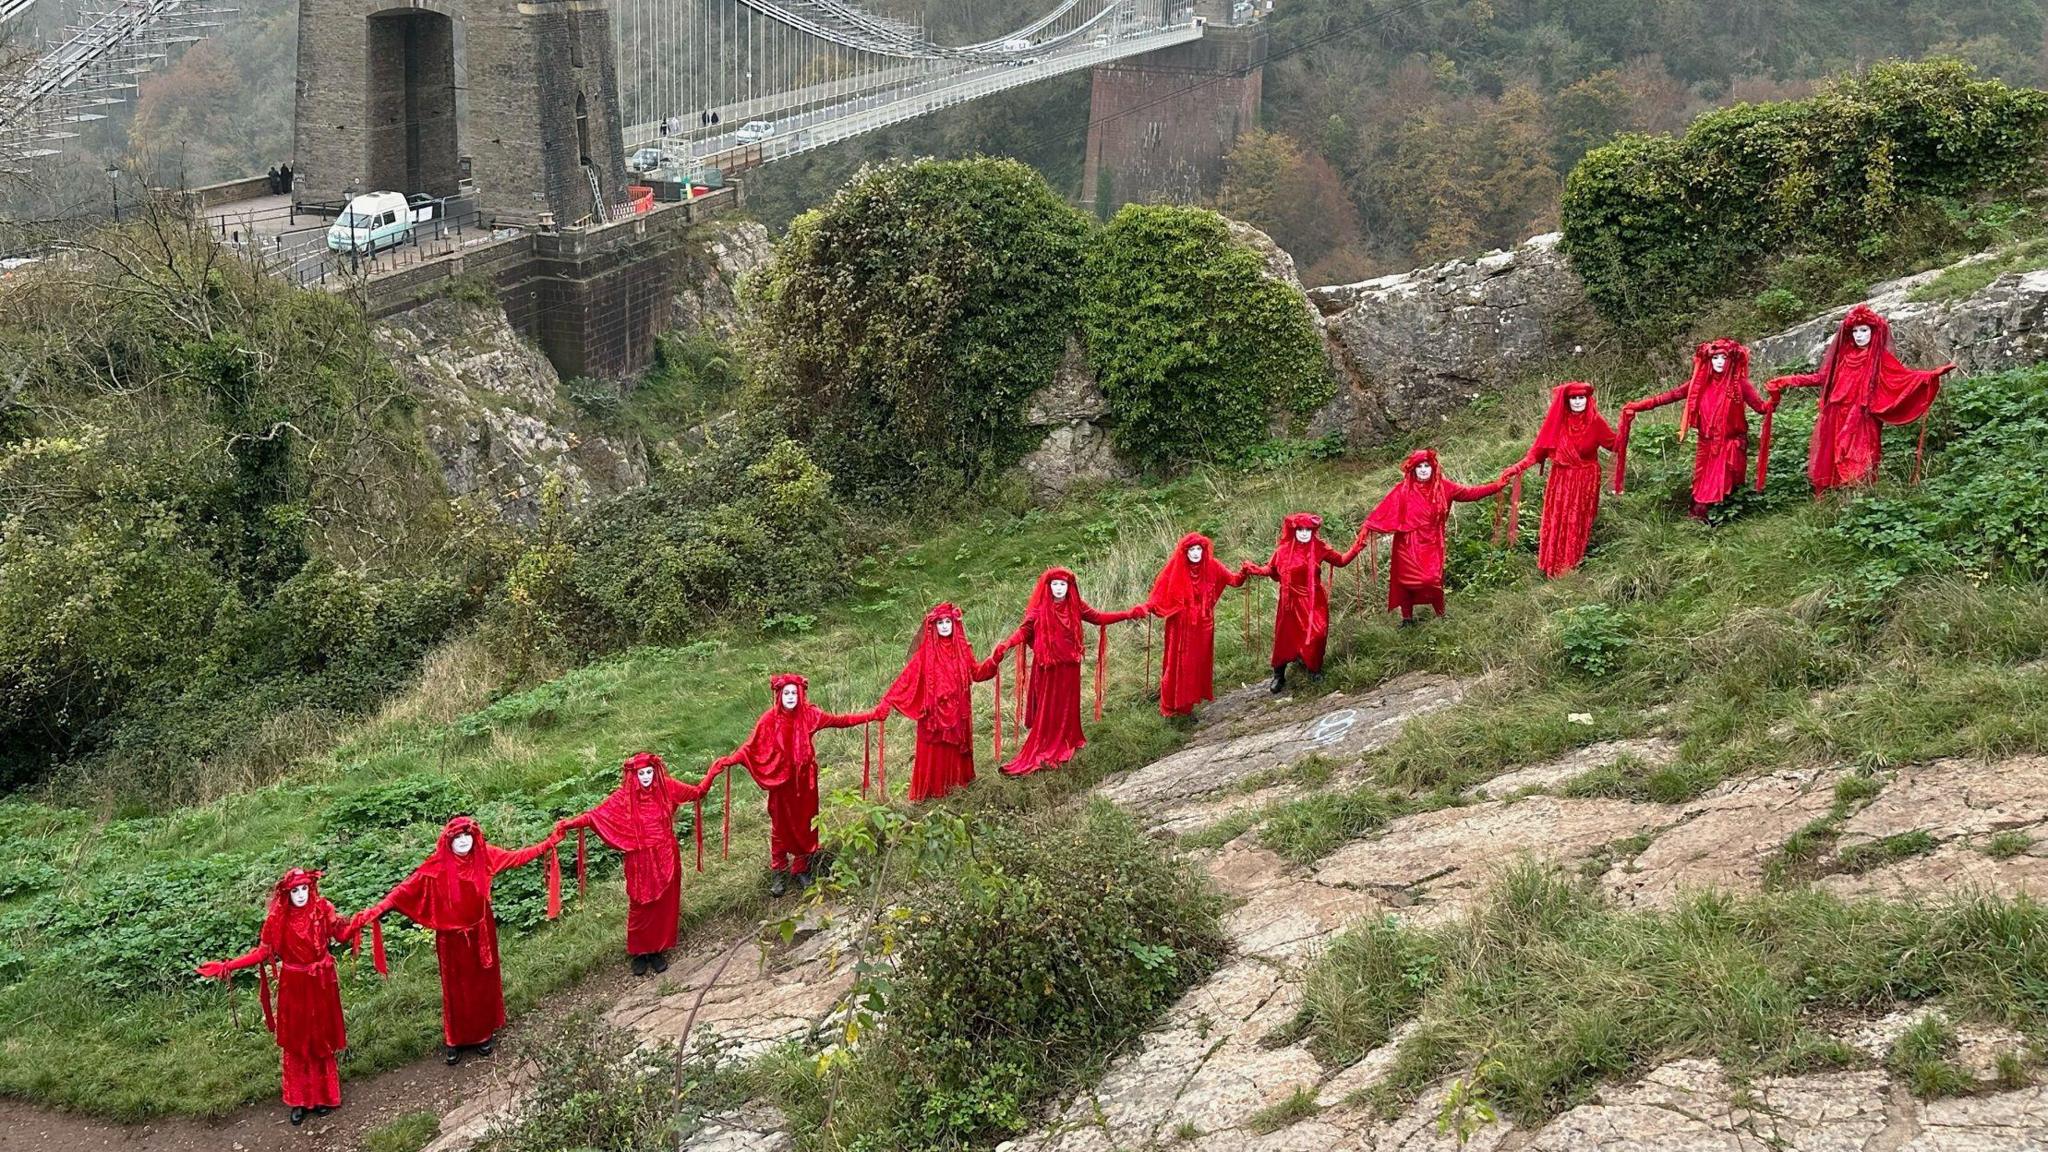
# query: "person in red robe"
{"type": "Point", "coordinates": [1184, 594]}
{"type": "Point", "coordinates": [781, 758]}
{"type": "Point", "coordinates": [1415, 513]}
{"type": "Point", "coordinates": [1569, 445]}
{"type": "Point", "coordinates": [1051, 632]}
{"type": "Point", "coordinates": [450, 893]}
{"type": "Point", "coordinates": [639, 819]}
{"type": "Point", "coordinates": [292, 949]}
{"type": "Point", "coordinates": [935, 689]}
{"type": "Point", "coordinates": [1301, 624]}
{"type": "Point", "coordinates": [1714, 406]}
{"type": "Point", "coordinates": [1863, 387]}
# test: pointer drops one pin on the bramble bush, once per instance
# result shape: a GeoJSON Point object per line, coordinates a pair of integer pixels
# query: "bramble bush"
{"type": "Point", "coordinates": [1056, 942]}
{"type": "Point", "coordinates": [903, 325]}
{"type": "Point", "coordinates": [1657, 225]}
{"type": "Point", "coordinates": [1196, 349]}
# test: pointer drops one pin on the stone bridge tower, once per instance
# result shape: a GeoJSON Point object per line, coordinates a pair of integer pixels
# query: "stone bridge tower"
{"type": "Point", "coordinates": [1160, 124]}
{"type": "Point", "coordinates": [378, 110]}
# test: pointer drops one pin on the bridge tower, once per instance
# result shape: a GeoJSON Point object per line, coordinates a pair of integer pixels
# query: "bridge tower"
{"type": "Point", "coordinates": [1160, 124]}
{"type": "Point", "coordinates": [538, 113]}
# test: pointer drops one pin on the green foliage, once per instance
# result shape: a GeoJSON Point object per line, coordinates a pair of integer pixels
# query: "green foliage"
{"type": "Point", "coordinates": [409, 1133]}
{"type": "Point", "coordinates": [1592, 639]}
{"type": "Point", "coordinates": [692, 378]}
{"type": "Point", "coordinates": [1921, 1054]}
{"type": "Point", "coordinates": [1195, 347]}
{"type": "Point", "coordinates": [597, 1089]}
{"type": "Point", "coordinates": [1656, 226]}
{"type": "Point", "coordinates": [1550, 989]}
{"type": "Point", "coordinates": [903, 325]}
{"type": "Point", "coordinates": [1981, 508]}
{"type": "Point", "coordinates": [1368, 983]}
{"type": "Point", "coordinates": [1293, 1108]}
{"type": "Point", "coordinates": [209, 514]}
{"type": "Point", "coordinates": [1057, 943]}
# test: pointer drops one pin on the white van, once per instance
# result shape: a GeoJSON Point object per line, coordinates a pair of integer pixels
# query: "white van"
{"type": "Point", "coordinates": [1018, 45]}
{"type": "Point", "coordinates": [378, 220]}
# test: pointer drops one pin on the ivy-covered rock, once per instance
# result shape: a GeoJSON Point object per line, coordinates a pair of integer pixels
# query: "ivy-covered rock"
{"type": "Point", "coordinates": [1198, 349]}
{"type": "Point", "coordinates": [1658, 225]}
{"type": "Point", "coordinates": [904, 324]}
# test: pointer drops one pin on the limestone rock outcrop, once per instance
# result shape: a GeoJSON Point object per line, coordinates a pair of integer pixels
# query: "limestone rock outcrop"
{"type": "Point", "coordinates": [493, 411]}
{"type": "Point", "coordinates": [720, 256]}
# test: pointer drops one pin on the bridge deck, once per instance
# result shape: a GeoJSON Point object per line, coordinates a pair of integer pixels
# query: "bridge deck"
{"type": "Point", "coordinates": [918, 96]}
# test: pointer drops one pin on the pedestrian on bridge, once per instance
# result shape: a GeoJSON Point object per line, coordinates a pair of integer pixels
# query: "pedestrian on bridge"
{"type": "Point", "coordinates": [293, 949]}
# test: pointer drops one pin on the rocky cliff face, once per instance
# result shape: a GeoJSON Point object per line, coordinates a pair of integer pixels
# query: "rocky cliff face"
{"type": "Point", "coordinates": [1419, 345]}
{"type": "Point", "coordinates": [493, 413]}
{"type": "Point", "coordinates": [1070, 411]}
{"type": "Point", "coordinates": [2003, 325]}
{"type": "Point", "coordinates": [707, 293]}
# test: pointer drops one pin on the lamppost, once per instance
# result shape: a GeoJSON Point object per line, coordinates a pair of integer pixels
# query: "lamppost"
{"type": "Point", "coordinates": [114, 184]}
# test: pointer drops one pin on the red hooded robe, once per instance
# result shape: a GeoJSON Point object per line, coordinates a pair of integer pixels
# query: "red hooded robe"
{"type": "Point", "coordinates": [641, 822]}
{"type": "Point", "coordinates": [1302, 623]}
{"type": "Point", "coordinates": [1415, 513]}
{"type": "Point", "coordinates": [1569, 443]}
{"type": "Point", "coordinates": [1051, 630]}
{"type": "Point", "coordinates": [1185, 594]}
{"type": "Point", "coordinates": [451, 895]}
{"type": "Point", "coordinates": [1715, 407]}
{"type": "Point", "coordinates": [292, 950]}
{"type": "Point", "coordinates": [1862, 389]}
{"type": "Point", "coordinates": [935, 689]}
{"type": "Point", "coordinates": [783, 761]}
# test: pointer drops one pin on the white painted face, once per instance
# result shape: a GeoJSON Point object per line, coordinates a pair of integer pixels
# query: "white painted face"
{"type": "Point", "coordinates": [1575, 403]}
{"type": "Point", "coordinates": [1719, 360]}
{"type": "Point", "coordinates": [1302, 535]}
{"type": "Point", "coordinates": [646, 776]}
{"type": "Point", "coordinates": [462, 843]}
{"type": "Point", "coordinates": [1423, 472]}
{"type": "Point", "coordinates": [301, 893]}
{"type": "Point", "coordinates": [1059, 589]}
{"type": "Point", "coordinates": [789, 696]}
{"type": "Point", "coordinates": [1194, 553]}
{"type": "Point", "coordinates": [945, 626]}
{"type": "Point", "coordinates": [1861, 335]}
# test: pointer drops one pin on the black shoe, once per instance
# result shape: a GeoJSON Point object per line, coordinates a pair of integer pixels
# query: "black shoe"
{"type": "Point", "coordinates": [639, 965]}
{"type": "Point", "coordinates": [658, 961]}
{"type": "Point", "coordinates": [1279, 680]}
{"type": "Point", "coordinates": [778, 885]}
{"type": "Point", "coordinates": [298, 1117]}
{"type": "Point", "coordinates": [323, 1110]}
{"type": "Point", "coordinates": [484, 1049]}
{"type": "Point", "coordinates": [454, 1056]}
{"type": "Point", "coordinates": [1409, 621]}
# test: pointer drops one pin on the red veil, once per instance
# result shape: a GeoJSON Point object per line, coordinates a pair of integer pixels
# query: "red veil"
{"type": "Point", "coordinates": [1175, 589]}
{"type": "Point", "coordinates": [933, 686]}
{"type": "Point", "coordinates": [640, 823]}
{"type": "Point", "coordinates": [781, 740]}
{"type": "Point", "coordinates": [1412, 505]}
{"type": "Point", "coordinates": [1695, 387]}
{"type": "Point", "coordinates": [1562, 429]}
{"type": "Point", "coordinates": [1892, 392]}
{"type": "Point", "coordinates": [431, 904]}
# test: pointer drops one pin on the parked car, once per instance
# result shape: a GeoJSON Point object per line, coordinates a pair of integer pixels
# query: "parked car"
{"type": "Point", "coordinates": [755, 131]}
{"type": "Point", "coordinates": [377, 220]}
{"type": "Point", "coordinates": [645, 160]}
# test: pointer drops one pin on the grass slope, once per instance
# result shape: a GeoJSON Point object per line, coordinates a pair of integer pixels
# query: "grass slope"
{"type": "Point", "coordinates": [1764, 639]}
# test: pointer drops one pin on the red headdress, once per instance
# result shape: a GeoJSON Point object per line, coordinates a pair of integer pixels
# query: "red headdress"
{"type": "Point", "coordinates": [1412, 504]}
{"type": "Point", "coordinates": [626, 820]}
{"type": "Point", "coordinates": [1178, 587]}
{"type": "Point", "coordinates": [1288, 547]}
{"type": "Point", "coordinates": [434, 905]}
{"type": "Point", "coordinates": [936, 680]}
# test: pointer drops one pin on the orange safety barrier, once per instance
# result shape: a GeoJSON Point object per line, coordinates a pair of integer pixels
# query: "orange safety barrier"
{"type": "Point", "coordinates": [642, 198]}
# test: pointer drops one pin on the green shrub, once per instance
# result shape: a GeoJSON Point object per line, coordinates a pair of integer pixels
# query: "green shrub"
{"type": "Point", "coordinates": [1062, 940]}
{"type": "Point", "coordinates": [1592, 638]}
{"type": "Point", "coordinates": [1195, 347]}
{"type": "Point", "coordinates": [1369, 982]}
{"type": "Point", "coordinates": [904, 324]}
{"type": "Point", "coordinates": [596, 1089]}
{"type": "Point", "coordinates": [1656, 226]}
